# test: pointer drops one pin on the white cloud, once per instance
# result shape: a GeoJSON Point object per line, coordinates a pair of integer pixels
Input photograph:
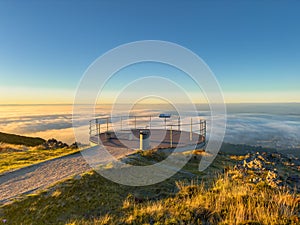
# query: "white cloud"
{"type": "Point", "coordinates": [266, 129]}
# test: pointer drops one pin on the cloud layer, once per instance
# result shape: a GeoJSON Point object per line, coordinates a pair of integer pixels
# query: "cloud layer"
{"type": "Point", "coordinates": [268, 129]}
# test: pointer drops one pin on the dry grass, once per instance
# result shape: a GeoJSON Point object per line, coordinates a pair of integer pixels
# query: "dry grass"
{"type": "Point", "coordinates": [17, 156]}
{"type": "Point", "coordinates": [227, 202]}
{"type": "Point", "coordinates": [95, 200]}
{"type": "Point", "coordinates": [4, 147]}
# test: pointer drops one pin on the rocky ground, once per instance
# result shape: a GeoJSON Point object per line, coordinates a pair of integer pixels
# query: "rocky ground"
{"type": "Point", "coordinates": [274, 169]}
{"type": "Point", "coordinates": [55, 144]}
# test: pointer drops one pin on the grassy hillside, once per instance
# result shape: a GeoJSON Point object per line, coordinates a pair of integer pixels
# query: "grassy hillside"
{"type": "Point", "coordinates": [189, 197]}
{"type": "Point", "coordinates": [91, 196]}
{"type": "Point", "coordinates": [17, 156]}
{"type": "Point", "coordinates": [20, 140]}
{"type": "Point", "coordinates": [19, 151]}
{"type": "Point", "coordinates": [226, 202]}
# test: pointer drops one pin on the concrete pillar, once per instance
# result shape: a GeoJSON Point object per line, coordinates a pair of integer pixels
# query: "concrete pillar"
{"type": "Point", "coordinates": [144, 139]}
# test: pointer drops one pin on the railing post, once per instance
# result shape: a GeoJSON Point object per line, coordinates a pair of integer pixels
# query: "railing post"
{"type": "Point", "coordinates": [99, 125]}
{"type": "Point", "coordinates": [200, 126]}
{"type": "Point", "coordinates": [179, 123]}
{"type": "Point", "coordinates": [96, 126]}
{"type": "Point", "coordinates": [150, 123]}
{"type": "Point", "coordinates": [121, 123]}
{"type": "Point", "coordinates": [205, 129]}
{"type": "Point", "coordinates": [171, 137]}
{"type": "Point", "coordinates": [135, 122]}
{"type": "Point", "coordinates": [191, 131]}
{"type": "Point", "coordinates": [107, 124]}
{"type": "Point", "coordinates": [90, 128]}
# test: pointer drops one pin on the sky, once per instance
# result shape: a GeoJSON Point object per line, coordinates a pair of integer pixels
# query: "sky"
{"type": "Point", "coordinates": [252, 47]}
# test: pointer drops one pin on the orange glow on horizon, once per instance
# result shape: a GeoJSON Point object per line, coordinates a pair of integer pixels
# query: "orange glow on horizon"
{"type": "Point", "coordinates": [13, 95]}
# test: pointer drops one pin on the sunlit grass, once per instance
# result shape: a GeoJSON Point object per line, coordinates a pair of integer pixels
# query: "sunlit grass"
{"type": "Point", "coordinates": [204, 199]}
{"type": "Point", "coordinates": [16, 156]}
{"type": "Point", "coordinates": [226, 202]}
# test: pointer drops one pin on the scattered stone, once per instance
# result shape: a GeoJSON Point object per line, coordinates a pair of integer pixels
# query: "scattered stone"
{"type": "Point", "coordinates": [255, 180]}
{"type": "Point", "coordinates": [255, 164]}
{"type": "Point", "coordinates": [292, 157]}
{"type": "Point", "coordinates": [74, 145]}
{"type": "Point", "coordinates": [262, 167]}
{"type": "Point", "coordinates": [54, 144]}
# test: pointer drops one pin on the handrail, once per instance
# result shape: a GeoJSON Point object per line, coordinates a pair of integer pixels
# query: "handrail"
{"type": "Point", "coordinates": [129, 116]}
{"type": "Point", "coordinates": [125, 123]}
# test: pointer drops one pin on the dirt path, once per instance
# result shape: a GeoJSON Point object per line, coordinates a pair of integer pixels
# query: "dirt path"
{"type": "Point", "coordinates": [40, 176]}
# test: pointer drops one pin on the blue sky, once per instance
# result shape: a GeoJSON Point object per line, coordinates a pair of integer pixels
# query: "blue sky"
{"type": "Point", "coordinates": [253, 47]}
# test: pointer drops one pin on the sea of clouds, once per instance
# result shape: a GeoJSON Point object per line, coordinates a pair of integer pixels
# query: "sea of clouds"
{"type": "Point", "coordinates": [267, 125]}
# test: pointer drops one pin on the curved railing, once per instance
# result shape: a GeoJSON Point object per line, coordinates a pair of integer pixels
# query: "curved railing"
{"type": "Point", "coordinates": [193, 125]}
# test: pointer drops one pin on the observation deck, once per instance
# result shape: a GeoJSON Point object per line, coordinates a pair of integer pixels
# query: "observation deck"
{"type": "Point", "coordinates": [148, 132]}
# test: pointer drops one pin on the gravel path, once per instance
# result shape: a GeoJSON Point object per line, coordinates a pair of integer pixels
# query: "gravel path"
{"type": "Point", "coordinates": [40, 176]}
{"type": "Point", "coordinates": [36, 177]}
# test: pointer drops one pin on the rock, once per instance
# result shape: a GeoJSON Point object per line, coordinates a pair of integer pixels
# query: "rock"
{"type": "Point", "coordinates": [255, 180]}
{"type": "Point", "coordinates": [271, 175]}
{"type": "Point", "coordinates": [257, 167]}
{"type": "Point", "coordinates": [53, 144]}
{"type": "Point", "coordinates": [74, 145]}
{"type": "Point", "coordinates": [255, 164]}
{"type": "Point", "coordinates": [261, 158]}
{"type": "Point", "coordinates": [292, 157]}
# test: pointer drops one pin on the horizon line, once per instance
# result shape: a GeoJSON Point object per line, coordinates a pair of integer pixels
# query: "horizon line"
{"type": "Point", "coordinates": [201, 103]}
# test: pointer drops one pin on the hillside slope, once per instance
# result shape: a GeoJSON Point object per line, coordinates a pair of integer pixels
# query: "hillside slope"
{"type": "Point", "coordinates": [248, 189]}
{"type": "Point", "coordinates": [20, 140]}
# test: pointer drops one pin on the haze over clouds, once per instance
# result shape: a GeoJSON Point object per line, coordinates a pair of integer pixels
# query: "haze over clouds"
{"type": "Point", "coordinates": [270, 130]}
{"type": "Point", "coordinates": [276, 125]}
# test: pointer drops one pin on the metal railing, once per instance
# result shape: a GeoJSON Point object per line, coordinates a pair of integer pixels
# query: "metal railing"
{"type": "Point", "coordinates": [193, 125]}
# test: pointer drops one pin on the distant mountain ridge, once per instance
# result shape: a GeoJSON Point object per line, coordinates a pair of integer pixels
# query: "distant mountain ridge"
{"type": "Point", "coordinates": [20, 140]}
